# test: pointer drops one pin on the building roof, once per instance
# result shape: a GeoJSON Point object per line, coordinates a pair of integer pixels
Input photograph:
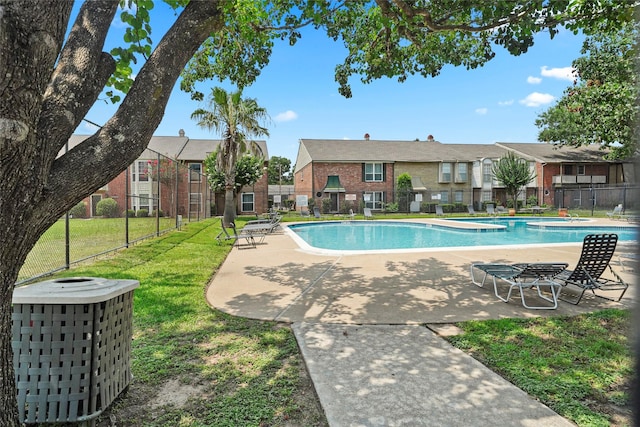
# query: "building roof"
{"type": "Point", "coordinates": [175, 147]}
{"type": "Point", "coordinates": [332, 150]}
{"type": "Point", "coordinates": [549, 153]}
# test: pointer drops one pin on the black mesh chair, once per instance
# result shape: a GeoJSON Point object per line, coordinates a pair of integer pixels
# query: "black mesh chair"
{"type": "Point", "coordinates": [597, 251]}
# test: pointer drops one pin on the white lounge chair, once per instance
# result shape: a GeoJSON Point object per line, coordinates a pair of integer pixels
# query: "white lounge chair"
{"type": "Point", "coordinates": [367, 213]}
{"type": "Point", "coordinates": [616, 213]}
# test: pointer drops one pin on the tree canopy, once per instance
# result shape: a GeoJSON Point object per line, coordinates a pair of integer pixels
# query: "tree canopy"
{"type": "Point", "coordinates": [601, 107]}
{"type": "Point", "coordinates": [248, 170]}
{"type": "Point", "coordinates": [279, 170]}
{"type": "Point", "coordinates": [52, 73]}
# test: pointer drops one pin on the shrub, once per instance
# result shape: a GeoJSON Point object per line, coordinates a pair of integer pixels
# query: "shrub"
{"type": "Point", "coordinates": [79, 210]}
{"type": "Point", "coordinates": [391, 207]}
{"type": "Point", "coordinates": [160, 213]}
{"type": "Point", "coordinates": [107, 208]}
{"type": "Point", "coordinates": [142, 213]}
{"type": "Point", "coordinates": [131, 213]}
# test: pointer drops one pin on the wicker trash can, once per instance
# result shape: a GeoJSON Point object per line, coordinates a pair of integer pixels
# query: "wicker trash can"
{"type": "Point", "coordinates": [71, 342]}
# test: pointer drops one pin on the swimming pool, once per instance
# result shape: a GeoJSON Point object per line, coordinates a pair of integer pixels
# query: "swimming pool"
{"type": "Point", "coordinates": [396, 235]}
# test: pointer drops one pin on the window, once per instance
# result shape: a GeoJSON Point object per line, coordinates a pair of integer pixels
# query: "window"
{"type": "Point", "coordinates": [568, 170]}
{"type": "Point", "coordinates": [247, 202]}
{"type": "Point", "coordinates": [195, 171]}
{"type": "Point", "coordinates": [580, 169]}
{"type": "Point", "coordinates": [374, 200]}
{"type": "Point", "coordinates": [445, 172]}
{"type": "Point", "coordinates": [444, 197]}
{"type": "Point", "coordinates": [373, 172]}
{"type": "Point", "coordinates": [487, 175]}
{"type": "Point", "coordinates": [143, 200]}
{"type": "Point", "coordinates": [485, 196]}
{"type": "Point", "coordinates": [458, 196]}
{"type": "Point", "coordinates": [142, 170]}
{"type": "Point", "coordinates": [462, 173]}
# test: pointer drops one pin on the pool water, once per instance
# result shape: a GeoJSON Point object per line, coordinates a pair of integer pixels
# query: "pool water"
{"type": "Point", "coordinates": [380, 235]}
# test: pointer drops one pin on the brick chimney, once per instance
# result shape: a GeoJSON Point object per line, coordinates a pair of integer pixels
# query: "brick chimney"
{"type": "Point", "coordinates": [181, 132]}
{"type": "Point", "coordinates": [430, 138]}
{"type": "Point", "coordinates": [366, 136]}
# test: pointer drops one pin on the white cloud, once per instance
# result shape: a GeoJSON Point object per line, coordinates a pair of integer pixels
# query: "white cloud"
{"type": "Point", "coordinates": [537, 99]}
{"type": "Point", "coordinates": [565, 73]}
{"type": "Point", "coordinates": [287, 116]}
{"type": "Point", "coordinates": [505, 103]}
{"type": "Point", "coordinates": [534, 80]}
{"type": "Point", "coordinates": [482, 111]}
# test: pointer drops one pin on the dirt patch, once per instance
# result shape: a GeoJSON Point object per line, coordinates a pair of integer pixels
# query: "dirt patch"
{"type": "Point", "coordinates": [175, 393]}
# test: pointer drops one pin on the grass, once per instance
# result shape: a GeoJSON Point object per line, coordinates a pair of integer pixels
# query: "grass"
{"type": "Point", "coordinates": [581, 367]}
{"type": "Point", "coordinates": [244, 372]}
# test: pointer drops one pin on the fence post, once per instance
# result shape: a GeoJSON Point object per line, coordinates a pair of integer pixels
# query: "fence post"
{"type": "Point", "coordinates": [158, 197]}
{"type": "Point", "coordinates": [127, 192]}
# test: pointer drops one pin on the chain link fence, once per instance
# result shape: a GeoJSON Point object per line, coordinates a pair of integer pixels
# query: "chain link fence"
{"type": "Point", "coordinates": [154, 195]}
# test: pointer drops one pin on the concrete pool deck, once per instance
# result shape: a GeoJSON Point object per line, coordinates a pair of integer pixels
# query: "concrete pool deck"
{"type": "Point", "coordinates": [359, 321]}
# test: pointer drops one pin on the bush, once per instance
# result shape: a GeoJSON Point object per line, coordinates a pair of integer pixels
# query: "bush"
{"type": "Point", "coordinates": [79, 210]}
{"type": "Point", "coordinates": [107, 208]}
{"type": "Point", "coordinates": [131, 213]}
{"type": "Point", "coordinates": [142, 213]}
{"type": "Point", "coordinates": [391, 207]}
{"type": "Point", "coordinates": [160, 213]}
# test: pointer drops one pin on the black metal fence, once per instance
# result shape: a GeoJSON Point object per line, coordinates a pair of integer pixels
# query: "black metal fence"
{"type": "Point", "coordinates": [154, 195]}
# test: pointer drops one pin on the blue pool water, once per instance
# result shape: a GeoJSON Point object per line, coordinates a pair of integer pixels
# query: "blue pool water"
{"type": "Point", "coordinates": [381, 235]}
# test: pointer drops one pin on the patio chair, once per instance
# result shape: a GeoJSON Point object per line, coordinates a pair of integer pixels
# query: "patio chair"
{"type": "Point", "coordinates": [224, 236]}
{"type": "Point", "coordinates": [439, 211]}
{"type": "Point", "coordinates": [304, 213]}
{"type": "Point", "coordinates": [471, 210]}
{"type": "Point", "coordinates": [367, 213]}
{"type": "Point", "coordinates": [491, 209]}
{"type": "Point", "coordinates": [350, 215]}
{"type": "Point", "coordinates": [616, 213]}
{"type": "Point", "coordinates": [523, 276]}
{"type": "Point", "coordinates": [597, 251]}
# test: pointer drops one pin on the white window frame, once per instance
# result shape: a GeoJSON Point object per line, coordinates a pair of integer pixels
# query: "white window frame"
{"type": "Point", "coordinates": [462, 172]}
{"type": "Point", "coordinates": [445, 176]}
{"type": "Point", "coordinates": [376, 200]}
{"type": "Point", "coordinates": [487, 174]}
{"type": "Point", "coordinates": [458, 196]}
{"type": "Point", "coordinates": [444, 197]}
{"type": "Point", "coordinates": [374, 172]}
{"type": "Point", "coordinates": [580, 169]}
{"type": "Point", "coordinates": [486, 196]}
{"type": "Point", "coordinates": [251, 203]}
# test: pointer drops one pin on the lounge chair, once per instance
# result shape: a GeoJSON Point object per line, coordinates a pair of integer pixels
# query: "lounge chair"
{"type": "Point", "coordinates": [597, 251]}
{"type": "Point", "coordinates": [350, 215]}
{"type": "Point", "coordinates": [414, 207]}
{"type": "Point", "coordinates": [523, 276]}
{"type": "Point", "coordinates": [260, 230]}
{"type": "Point", "coordinates": [224, 236]}
{"type": "Point", "coordinates": [367, 213]}
{"type": "Point", "coordinates": [491, 209]}
{"type": "Point", "coordinates": [304, 213]}
{"type": "Point", "coordinates": [439, 211]}
{"type": "Point", "coordinates": [471, 210]}
{"type": "Point", "coordinates": [616, 213]}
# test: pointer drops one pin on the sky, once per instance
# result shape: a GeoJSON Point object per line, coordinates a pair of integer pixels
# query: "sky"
{"type": "Point", "coordinates": [495, 103]}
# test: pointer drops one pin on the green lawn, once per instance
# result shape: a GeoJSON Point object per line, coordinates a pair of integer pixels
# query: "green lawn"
{"type": "Point", "coordinates": [250, 373]}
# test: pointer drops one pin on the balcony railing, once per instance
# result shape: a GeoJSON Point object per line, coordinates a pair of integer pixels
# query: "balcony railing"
{"type": "Point", "coordinates": [579, 179]}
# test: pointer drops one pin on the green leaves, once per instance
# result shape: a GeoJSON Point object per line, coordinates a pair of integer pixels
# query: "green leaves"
{"type": "Point", "coordinates": [602, 106]}
{"type": "Point", "coordinates": [514, 173]}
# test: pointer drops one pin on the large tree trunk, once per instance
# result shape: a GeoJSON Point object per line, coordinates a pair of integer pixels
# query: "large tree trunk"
{"type": "Point", "coordinates": [45, 91]}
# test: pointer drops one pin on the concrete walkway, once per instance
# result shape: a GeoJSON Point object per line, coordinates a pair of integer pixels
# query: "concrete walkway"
{"type": "Point", "coordinates": [360, 324]}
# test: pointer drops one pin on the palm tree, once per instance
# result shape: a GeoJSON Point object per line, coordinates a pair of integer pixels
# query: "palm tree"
{"type": "Point", "coordinates": [238, 120]}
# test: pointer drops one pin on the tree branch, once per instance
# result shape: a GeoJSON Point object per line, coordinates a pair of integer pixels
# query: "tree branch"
{"type": "Point", "coordinates": [79, 77]}
{"type": "Point", "coordinates": [101, 157]}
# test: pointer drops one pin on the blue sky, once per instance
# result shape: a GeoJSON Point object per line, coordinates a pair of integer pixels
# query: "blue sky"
{"type": "Point", "coordinates": [496, 103]}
